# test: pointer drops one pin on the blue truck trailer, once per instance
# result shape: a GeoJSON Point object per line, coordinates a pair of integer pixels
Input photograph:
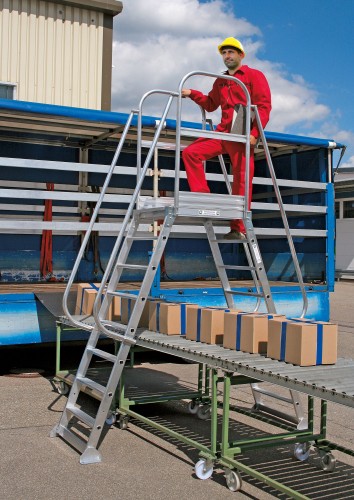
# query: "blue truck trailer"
{"type": "Point", "coordinates": [54, 161]}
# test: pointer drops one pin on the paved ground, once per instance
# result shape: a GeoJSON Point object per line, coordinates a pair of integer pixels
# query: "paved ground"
{"type": "Point", "coordinates": [143, 464]}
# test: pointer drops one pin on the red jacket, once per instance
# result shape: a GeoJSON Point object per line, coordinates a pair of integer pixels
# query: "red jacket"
{"type": "Point", "coordinates": [227, 93]}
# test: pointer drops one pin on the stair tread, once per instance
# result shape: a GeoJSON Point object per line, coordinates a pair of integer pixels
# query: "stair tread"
{"type": "Point", "coordinates": [81, 415]}
{"type": "Point", "coordinates": [103, 354]}
{"type": "Point", "coordinates": [91, 383]}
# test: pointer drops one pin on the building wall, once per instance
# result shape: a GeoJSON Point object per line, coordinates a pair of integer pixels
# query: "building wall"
{"type": "Point", "coordinates": [56, 53]}
{"type": "Point", "coordinates": [345, 245]}
{"type": "Point", "coordinates": [344, 188]}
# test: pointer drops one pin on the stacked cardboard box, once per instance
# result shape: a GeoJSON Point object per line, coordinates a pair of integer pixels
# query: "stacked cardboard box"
{"type": "Point", "coordinates": [168, 318]}
{"type": "Point", "coordinates": [86, 296]}
{"type": "Point", "coordinates": [212, 325]}
{"type": "Point", "coordinates": [303, 343]}
{"type": "Point", "coordinates": [193, 320]}
{"type": "Point", "coordinates": [126, 308]}
{"type": "Point", "coordinates": [247, 332]}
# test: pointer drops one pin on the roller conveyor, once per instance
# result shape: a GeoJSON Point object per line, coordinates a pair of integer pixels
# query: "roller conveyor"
{"type": "Point", "coordinates": [328, 382]}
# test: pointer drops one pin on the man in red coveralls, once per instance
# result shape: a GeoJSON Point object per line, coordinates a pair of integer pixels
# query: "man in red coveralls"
{"type": "Point", "coordinates": [227, 94]}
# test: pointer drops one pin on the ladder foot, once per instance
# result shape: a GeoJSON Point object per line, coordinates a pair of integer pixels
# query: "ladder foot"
{"type": "Point", "coordinates": [54, 432]}
{"type": "Point", "coordinates": [90, 456]}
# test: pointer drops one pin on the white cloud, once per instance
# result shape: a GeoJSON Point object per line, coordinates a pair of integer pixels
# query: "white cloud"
{"type": "Point", "coordinates": [349, 163]}
{"type": "Point", "coordinates": [157, 42]}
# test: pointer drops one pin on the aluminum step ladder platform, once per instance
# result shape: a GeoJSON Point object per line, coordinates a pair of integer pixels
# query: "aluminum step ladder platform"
{"type": "Point", "coordinates": [83, 429]}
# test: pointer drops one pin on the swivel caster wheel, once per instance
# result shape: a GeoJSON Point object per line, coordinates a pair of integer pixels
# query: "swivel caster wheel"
{"type": "Point", "coordinates": [111, 419]}
{"type": "Point", "coordinates": [203, 469]}
{"type": "Point", "coordinates": [203, 412]}
{"type": "Point", "coordinates": [123, 422]}
{"type": "Point", "coordinates": [193, 407]}
{"type": "Point", "coordinates": [233, 480]}
{"type": "Point", "coordinates": [63, 388]}
{"type": "Point", "coordinates": [327, 461]}
{"type": "Point", "coordinates": [301, 451]}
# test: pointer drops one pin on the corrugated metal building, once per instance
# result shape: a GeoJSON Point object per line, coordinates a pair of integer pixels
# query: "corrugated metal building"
{"type": "Point", "coordinates": [57, 52]}
{"type": "Point", "coordinates": [344, 187]}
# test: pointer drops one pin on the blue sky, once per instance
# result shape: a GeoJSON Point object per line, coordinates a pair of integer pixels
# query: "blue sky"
{"type": "Point", "coordinates": [314, 38]}
{"type": "Point", "coordinates": [305, 48]}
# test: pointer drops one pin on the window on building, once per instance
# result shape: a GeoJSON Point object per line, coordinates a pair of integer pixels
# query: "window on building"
{"type": "Point", "coordinates": [7, 90]}
{"type": "Point", "coordinates": [348, 209]}
{"type": "Point", "coordinates": [337, 209]}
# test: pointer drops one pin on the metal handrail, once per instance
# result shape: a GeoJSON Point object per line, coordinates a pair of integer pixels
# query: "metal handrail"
{"type": "Point", "coordinates": [283, 213]}
{"type": "Point", "coordinates": [178, 130]}
{"type": "Point", "coordinates": [99, 305]}
{"type": "Point", "coordinates": [248, 108]}
{"type": "Point", "coordinates": [86, 238]}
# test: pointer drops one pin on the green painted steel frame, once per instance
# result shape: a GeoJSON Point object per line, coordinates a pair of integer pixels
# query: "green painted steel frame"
{"type": "Point", "coordinates": [207, 395]}
{"type": "Point", "coordinates": [222, 452]}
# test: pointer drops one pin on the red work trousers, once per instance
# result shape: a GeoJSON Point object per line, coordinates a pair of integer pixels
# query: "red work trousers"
{"type": "Point", "coordinates": [204, 149]}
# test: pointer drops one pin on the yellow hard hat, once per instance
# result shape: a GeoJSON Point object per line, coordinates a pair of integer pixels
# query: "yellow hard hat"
{"type": "Point", "coordinates": [231, 42]}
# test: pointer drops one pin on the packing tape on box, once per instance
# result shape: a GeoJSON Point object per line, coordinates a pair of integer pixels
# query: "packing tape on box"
{"type": "Point", "coordinates": [319, 345]}
{"type": "Point", "coordinates": [238, 329]}
{"type": "Point", "coordinates": [319, 349]}
{"type": "Point", "coordinates": [283, 340]}
{"type": "Point", "coordinates": [92, 286]}
{"type": "Point", "coordinates": [183, 319]}
{"type": "Point", "coordinates": [158, 316]}
{"type": "Point", "coordinates": [199, 316]}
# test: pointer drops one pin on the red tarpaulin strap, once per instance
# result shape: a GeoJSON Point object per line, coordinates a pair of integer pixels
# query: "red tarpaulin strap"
{"type": "Point", "coordinates": [46, 259]}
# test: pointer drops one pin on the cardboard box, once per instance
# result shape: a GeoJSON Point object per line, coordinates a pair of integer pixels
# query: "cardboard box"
{"type": "Point", "coordinates": [88, 300]}
{"type": "Point", "coordinates": [303, 343]}
{"type": "Point", "coordinates": [169, 318]}
{"type": "Point", "coordinates": [246, 332]}
{"type": "Point", "coordinates": [212, 325]}
{"type": "Point", "coordinates": [126, 308]}
{"type": "Point", "coordinates": [81, 307]}
{"type": "Point", "coordinates": [193, 319]}
{"type": "Point", "coordinates": [232, 330]}
{"type": "Point", "coordinates": [277, 339]}
{"type": "Point", "coordinates": [116, 308]}
{"type": "Point", "coordinates": [310, 344]}
{"type": "Point", "coordinates": [161, 319]}
{"type": "Point", "coordinates": [154, 315]}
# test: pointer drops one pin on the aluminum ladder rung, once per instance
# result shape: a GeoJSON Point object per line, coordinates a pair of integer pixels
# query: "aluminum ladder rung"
{"type": "Point", "coordinates": [91, 384]}
{"type": "Point", "coordinates": [75, 441]}
{"type": "Point", "coordinates": [221, 241]}
{"type": "Point", "coordinates": [148, 237]}
{"type": "Point", "coordinates": [251, 294]}
{"type": "Point", "coordinates": [239, 268]}
{"type": "Point", "coordinates": [80, 415]}
{"type": "Point", "coordinates": [272, 394]}
{"type": "Point", "coordinates": [115, 325]}
{"type": "Point", "coordinates": [102, 354]}
{"type": "Point", "coordinates": [132, 266]}
{"type": "Point", "coordinates": [118, 336]}
{"type": "Point", "coordinates": [125, 295]}
{"type": "Point", "coordinates": [299, 419]}
{"type": "Point", "coordinates": [212, 134]}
